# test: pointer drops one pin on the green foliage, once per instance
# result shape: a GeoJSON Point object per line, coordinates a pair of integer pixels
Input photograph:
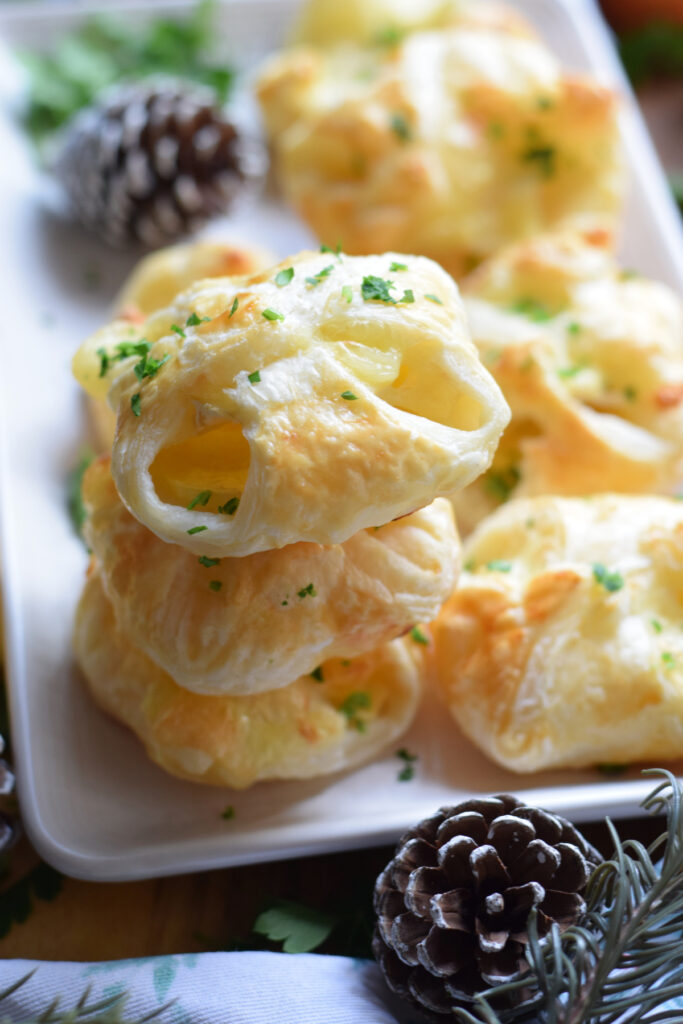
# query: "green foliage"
{"type": "Point", "coordinates": [623, 961]}
{"type": "Point", "coordinates": [104, 50]}
{"type": "Point", "coordinates": [105, 1011]}
{"type": "Point", "coordinates": [16, 901]}
{"type": "Point", "coordinates": [654, 49]}
{"type": "Point", "coordinates": [300, 929]}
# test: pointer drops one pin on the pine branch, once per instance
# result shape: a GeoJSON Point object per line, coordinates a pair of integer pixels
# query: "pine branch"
{"type": "Point", "coordinates": [103, 1011]}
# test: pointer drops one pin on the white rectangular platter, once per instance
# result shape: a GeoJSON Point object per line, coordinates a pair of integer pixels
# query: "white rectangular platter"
{"type": "Point", "coordinates": [94, 806]}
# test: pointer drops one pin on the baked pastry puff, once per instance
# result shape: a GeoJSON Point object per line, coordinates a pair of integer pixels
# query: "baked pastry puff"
{"type": "Point", "coordinates": [449, 144]}
{"type": "Point", "coordinates": [305, 403]}
{"type": "Point", "coordinates": [344, 716]}
{"type": "Point", "coordinates": [154, 283]}
{"type": "Point", "coordinates": [243, 625]}
{"type": "Point", "coordinates": [590, 359]}
{"type": "Point", "coordinates": [562, 644]}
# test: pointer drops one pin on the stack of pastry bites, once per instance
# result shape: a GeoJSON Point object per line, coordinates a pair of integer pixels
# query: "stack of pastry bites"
{"type": "Point", "coordinates": [269, 524]}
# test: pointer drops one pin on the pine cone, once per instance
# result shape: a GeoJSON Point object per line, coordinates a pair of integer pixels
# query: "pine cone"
{"type": "Point", "coordinates": [453, 904]}
{"type": "Point", "coordinates": [152, 162]}
{"type": "Point", "coordinates": [9, 826]}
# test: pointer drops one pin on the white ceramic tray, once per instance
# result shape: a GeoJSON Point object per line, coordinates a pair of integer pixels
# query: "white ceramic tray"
{"type": "Point", "coordinates": [93, 804]}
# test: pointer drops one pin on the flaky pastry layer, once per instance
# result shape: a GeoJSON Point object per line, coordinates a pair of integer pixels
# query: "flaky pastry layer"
{"type": "Point", "coordinates": [244, 625]}
{"type": "Point", "coordinates": [450, 144]}
{"type": "Point", "coordinates": [306, 729]}
{"type": "Point", "coordinates": [590, 359]}
{"type": "Point", "coordinates": [562, 644]}
{"type": "Point", "coordinates": [306, 403]}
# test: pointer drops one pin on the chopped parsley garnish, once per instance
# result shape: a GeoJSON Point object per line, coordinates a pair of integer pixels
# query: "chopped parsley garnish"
{"type": "Point", "coordinates": [317, 278]}
{"type": "Point", "coordinates": [307, 591]}
{"type": "Point", "coordinates": [400, 126]}
{"type": "Point", "coordinates": [335, 252]}
{"type": "Point", "coordinates": [104, 361]}
{"type": "Point", "coordinates": [193, 320]}
{"type": "Point", "coordinates": [149, 366]}
{"type": "Point", "coordinates": [542, 157]}
{"type": "Point", "coordinates": [545, 103]}
{"type": "Point", "coordinates": [317, 674]}
{"type": "Point", "coordinates": [349, 396]}
{"type": "Point", "coordinates": [230, 507]}
{"type": "Point", "coordinates": [347, 293]}
{"type": "Point", "coordinates": [178, 330]}
{"type": "Point", "coordinates": [395, 267]}
{"type": "Point", "coordinates": [357, 701]}
{"type": "Point", "coordinates": [271, 314]}
{"type": "Point", "coordinates": [229, 813]}
{"type": "Point", "coordinates": [207, 562]}
{"type": "Point", "coordinates": [390, 35]}
{"type": "Point", "coordinates": [495, 130]}
{"type": "Point", "coordinates": [377, 289]}
{"type": "Point", "coordinates": [283, 277]}
{"type": "Point", "coordinates": [611, 581]}
{"type": "Point", "coordinates": [656, 625]}
{"type": "Point", "coordinates": [233, 308]}
{"type": "Point", "coordinates": [501, 484]}
{"type": "Point", "coordinates": [135, 404]}
{"type": "Point", "coordinates": [408, 771]}
{"type": "Point", "coordinates": [215, 585]}
{"type": "Point", "coordinates": [532, 309]}
{"type": "Point", "coordinates": [566, 372]}
{"type": "Point", "coordinates": [418, 636]}
{"type": "Point", "coordinates": [574, 328]}
{"type": "Point", "coordinates": [123, 350]}
{"type": "Point", "coordinates": [499, 565]}
{"type": "Point", "coordinates": [668, 659]}
{"type": "Point", "coordinates": [254, 378]}
{"type": "Point", "coordinates": [200, 499]}
{"type": "Point", "coordinates": [407, 296]}
{"type": "Point", "coordinates": [434, 298]}
{"type": "Point", "coordinates": [469, 565]}
{"type": "Point", "coordinates": [197, 529]}
{"type": "Point", "coordinates": [630, 394]}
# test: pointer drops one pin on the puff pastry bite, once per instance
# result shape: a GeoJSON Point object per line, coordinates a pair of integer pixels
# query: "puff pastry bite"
{"type": "Point", "coordinates": [305, 403]}
{"type": "Point", "coordinates": [590, 359]}
{"type": "Point", "coordinates": [562, 645]}
{"type": "Point", "coordinates": [327, 22]}
{"type": "Point", "coordinates": [308, 728]}
{"type": "Point", "coordinates": [450, 144]}
{"type": "Point", "coordinates": [243, 625]}
{"type": "Point", "coordinates": [154, 283]}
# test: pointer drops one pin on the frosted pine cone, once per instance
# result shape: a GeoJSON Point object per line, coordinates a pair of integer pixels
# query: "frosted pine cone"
{"type": "Point", "coordinates": [9, 827]}
{"type": "Point", "coordinates": [453, 904]}
{"type": "Point", "coordinates": [152, 162]}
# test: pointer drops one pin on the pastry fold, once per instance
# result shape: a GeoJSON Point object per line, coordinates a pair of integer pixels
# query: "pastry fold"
{"type": "Point", "coordinates": [305, 403]}
{"type": "Point", "coordinates": [562, 644]}
{"type": "Point", "coordinates": [450, 144]}
{"type": "Point", "coordinates": [245, 625]}
{"type": "Point", "coordinates": [306, 729]}
{"type": "Point", "coordinates": [590, 359]}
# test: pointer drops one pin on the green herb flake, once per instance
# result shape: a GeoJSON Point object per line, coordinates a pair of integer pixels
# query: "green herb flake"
{"type": "Point", "coordinates": [567, 372]}
{"type": "Point", "coordinates": [125, 349]}
{"type": "Point", "coordinates": [574, 328]}
{"type": "Point", "coordinates": [230, 507]}
{"type": "Point", "coordinates": [149, 366]}
{"type": "Point", "coordinates": [400, 126]}
{"type": "Point", "coordinates": [104, 361]}
{"type": "Point", "coordinates": [611, 581]}
{"type": "Point", "coordinates": [495, 130]}
{"type": "Point", "coordinates": [300, 929]}
{"type": "Point", "coordinates": [668, 659]}
{"type": "Point", "coordinates": [499, 565]}
{"type": "Point", "coordinates": [317, 674]}
{"type": "Point", "coordinates": [532, 309]}
{"type": "Point", "coordinates": [335, 252]}
{"type": "Point", "coordinates": [500, 484]}
{"type": "Point", "coordinates": [543, 158]}
{"type": "Point", "coordinates": [271, 314]}
{"type": "Point", "coordinates": [135, 404]}
{"type": "Point", "coordinates": [193, 320]}
{"type": "Point", "coordinates": [357, 701]}
{"type": "Point", "coordinates": [408, 771]}
{"type": "Point", "coordinates": [234, 307]}
{"type": "Point", "coordinates": [215, 585]}
{"type": "Point", "coordinates": [178, 330]}
{"type": "Point", "coordinates": [418, 636]}
{"type": "Point", "coordinates": [75, 491]}
{"type": "Point", "coordinates": [376, 289]}
{"type": "Point", "coordinates": [630, 394]}
{"type": "Point", "coordinates": [207, 562]}
{"type": "Point", "coordinates": [307, 591]}
{"type": "Point", "coordinates": [284, 277]}
{"type": "Point", "coordinates": [200, 499]}
{"type": "Point", "coordinates": [396, 267]}
{"type": "Point", "coordinates": [545, 103]}
{"type": "Point", "coordinates": [434, 298]}
{"type": "Point", "coordinates": [349, 396]}
{"type": "Point", "coordinates": [320, 276]}
{"type": "Point", "coordinates": [347, 293]}
{"type": "Point", "coordinates": [469, 565]}
{"type": "Point", "coordinates": [254, 378]}
{"type": "Point", "coordinates": [229, 813]}
{"type": "Point", "coordinates": [656, 625]}
{"type": "Point", "coordinates": [390, 35]}
{"type": "Point", "coordinates": [407, 296]}
{"type": "Point", "coordinates": [196, 529]}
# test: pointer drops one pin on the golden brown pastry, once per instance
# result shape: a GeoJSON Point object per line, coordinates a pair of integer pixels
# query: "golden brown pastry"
{"type": "Point", "coordinates": [590, 359]}
{"type": "Point", "coordinates": [308, 402]}
{"type": "Point", "coordinates": [243, 625]}
{"type": "Point", "coordinates": [309, 728]}
{"type": "Point", "coordinates": [154, 283]}
{"type": "Point", "coordinates": [328, 22]}
{"type": "Point", "coordinates": [449, 144]}
{"type": "Point", "coordinates": [562, 645]}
